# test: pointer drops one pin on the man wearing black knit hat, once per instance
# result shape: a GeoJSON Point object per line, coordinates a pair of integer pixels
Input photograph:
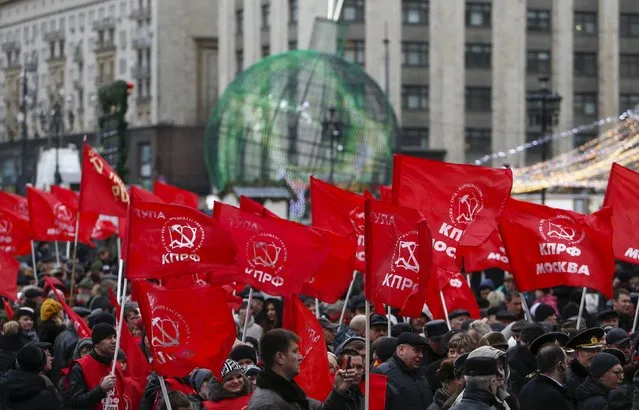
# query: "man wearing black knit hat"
{"type": "Point", "coordinates": [92, 384]}
{"type": "Point", "coordinates": [245, 355]}
{"type": "Point", "coordinates": [606, 374]}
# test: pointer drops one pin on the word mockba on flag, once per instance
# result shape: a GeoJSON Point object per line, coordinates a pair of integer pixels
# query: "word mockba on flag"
{"type": "Point", "coordinates": [53, 220]}
{"type": "Point", "coordinates": [342, 212]}
{"type": "Point", "coordinates": [491, 254]}
{"type": "Point", "coordinates": [14, 203]}
{"type": "Point", "coordinates": [455, 290]}
{"type": "Point", "coordinates": [186, 328]}
{"type": "Point", "coordinates": [9, 267]}
{"type": "Point", "coordinates": [177, 196]}
{"type": "Point", "coordinates": [460, 202]}
{"type": "Point", "coordinates": [550, 247]}
{"type": "Point", "coordinates": [398, 257]}
{"type": "Point", "coordinates": [314, 377]}
{"type": "Point", "coordinates": [621, 197]}
{"type": "Point", "coordinates": [168, 239]}
{"type": "Point", "coordinates": [80, 326]}
{"type": "Point", "coordinates": [274, 255]}
{"type": "Point", "coordinates": [15, 237]}
{"type": "Point", "coordinates": [101, 189]}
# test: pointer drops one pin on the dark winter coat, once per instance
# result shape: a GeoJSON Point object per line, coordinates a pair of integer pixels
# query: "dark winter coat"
{"type": "Point", "coordinates": [407, 389]}
{"type": "Point", "coordinates": [544, 393]}
{"type": "Point", "coordinates": [26, 391]}
{"type": "Point", "coordinates": [476, 399]}
{"type": "Point", "coordinates": [49, 331]}
{"type": "Point", "coordinates": [578, 375]}
{"type": "Point", "coordinates": [217, 392]}
{"type": "Point", "coordinates": [439, 399]}
{"type": "Point", "coordinates": [81, 397]}
{"type": "Point", "coordinates": [430, 356]}
{"type": "Point", "coordinates": [9, 346]}
{"type": "Point", "coordinates": [523, 367]}
{"type": "Point", "coordinates": [431, 375]}
{"type": "Point", "coordinates": [591, 395]}
{"type": "Point", "coordinates": [63, 348]}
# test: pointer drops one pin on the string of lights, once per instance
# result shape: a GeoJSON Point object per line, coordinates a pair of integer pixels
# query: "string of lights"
{"type": "Point", "coordinates": [588, 165]}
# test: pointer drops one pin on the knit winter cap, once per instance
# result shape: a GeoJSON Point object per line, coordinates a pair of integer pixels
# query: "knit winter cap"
{"type": "Point", "coordinates": [531, 332]}
{"type": "Point", "coordinates": [101, 331]}
{"type": "Point", "coordinates": [251, 370]}
{"type": "Point", "coordinates": [24, 311]}
{"type": "Point", "coordinates": [601, 363]}
{"type": "Point", "coordinates": [31, 358]}
{"type": "Point", "coordinates": [543, 312]}
{"type": "Point", "coordinates": [49, 308]}
{"type": "Point", "coordinates": [101, 317]}
{"type": "Point", "coordinates": [198, 376]}
{"type": "Point", "coordinates": [386, 348]}
{"type": "Point", "coordinates": [229, 367]}
{"type": "Point", "coordinates": [241, 352]}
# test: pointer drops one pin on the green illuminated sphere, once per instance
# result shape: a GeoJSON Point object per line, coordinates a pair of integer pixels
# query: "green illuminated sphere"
{"type": "Point", "coordinates": [275, 120]}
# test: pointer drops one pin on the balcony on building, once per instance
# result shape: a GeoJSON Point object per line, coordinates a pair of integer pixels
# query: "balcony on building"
{"type": "Point", "coordinates": [140, 14]}
{"type": "Point", "coordinates": [141, 71]}
{"type": "Point", "coordinates": [104, 24]}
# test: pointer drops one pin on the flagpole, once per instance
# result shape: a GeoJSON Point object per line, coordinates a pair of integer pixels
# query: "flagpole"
{"type": "Point", "coordinates": [118, 332]}
{"type": "Point", "coordinates": [581, 307]}
{"type": "Point", "coordinates": [524, 304]}
{"type": "Point", "coordinates": [119, 291]}
{"type": "Point", "coordinates": [348, 295]}
{"type": "Point", "coordinates": [388, 316]}
{"type": "Point", "coordinates": [57, 253]}
{"type": "Point", "coordinates": [33, 260]}
{"type": "Point", "coordinates": [75, 254]}
{"type": "Point", "coordinates": [441, 295]}
{"type": "Point", "coordinates": [248, 313]}
{"type": "Point", "coordinates": [317, 312]}
{"type": "Point", "coordinates": [68, 250]}
{"type": "Point", "coordinates": [634, 323]}
{"type": "Point", "coordinates": [165, 393]}
{"type": "Point", "coordinates": [367, 379]}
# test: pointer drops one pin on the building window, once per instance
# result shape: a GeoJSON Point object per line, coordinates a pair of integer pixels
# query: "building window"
{"type": "Point", "coordinates": [415, 97]}
{"type": "Point", "coordinates": [585, 104]}
{"type": "Point", "coordinates": [478, 14]}
{"type": "Point", "coordinates": [415, 12]}
{"type": "Point", "coordinates": [239, 21]}
{"type": "Point", "coordinates": [628, 101]}
{"type": "Point", "coordinates": [629, 65]}
{"type": "Point", "coordinates": [292, 45]}
{"type": "Point", "coordinates": [266, 51]}
{"type": "Point", "coordinates": [478, 55]}
{"type": "Point", "coordinates": [354, 52]}
{"type": "Point", "coordinates": [629, 25]}
{"type": "Point", "coordinates": [478, 99]}
{"type": "Point", "coordinates": [239, 61]}
{"type": "Point", "coordinates": [146, 165]}
{"type": "Point", "coordinates": [538, 62]}
{"type": "Point", "coordinates": [353, 10]}
{"type": "Point", "coordinates": [293, 11]}
{"type": "Point", "coordinates": [415, 53]}
{"type": "Point", "coordinates": [415, 137]}
{"type": "Point", "coordinates": [265, 15]}
{"type": "Point", "coordinates": [538, 20]}
{"type": "Point", "coordinates": [477, 142]}
{"type": "Point", "coordinates": [585, 64]}
{"type": "Point", "coordinates": [585, 23]}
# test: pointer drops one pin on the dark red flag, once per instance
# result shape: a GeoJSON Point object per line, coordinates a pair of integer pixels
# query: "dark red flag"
{"type": "Point", "coordinates": [238, 403]}
{"type": "Point", "coordinates": [455, 290]}
{"type": "Point", "coordinates": [9, 267]}
{"type": "Point", "coordinates": [103, 229]}
{"type": "Point", "coordinates": [66, 196]}
{"type": "Point", "coordinates": [14, 203]}
{"type": "Point", "coordinates": [81, 327]}
{"type": "Point", "coordinates": [101, 189]}
{"type": "Point", "coordinates": [398, 257]}
{"type": "Point", "coordinates": [249, 205]}
{"type": "Point", "coordinates": [460, 202]}
{"type": "Point", "coordinates": [314, 377]}
{"type": "Point", "coordinates": [177, 196]}
{"type": "Point", "coordinates": [72, 201]}
{"type": "Point", "coordinates": [342, 212]}
{"type": "Point", "coordinates": [166, 239]}
{"type": "Point", "coordinates": [7, 308]}
{"type": "Point", "coordinates": [491, 254]}
{"type": "Point", "coordinates": [386, 193]}
{"type": "Point", "coordinates": [186, 328]}
{"type": "Point", "coordinates": [378, 383]}
{"type": "Point", "coordinates": [141, 194]}
{"type": "Point", "coordinates": [621, 197]}
{"type": "Point", "coordinates": [15, 233]}
{"type": "Point", "coordinates": [274, 255]}
{"type": "Point", "coordinates": [549, 247]}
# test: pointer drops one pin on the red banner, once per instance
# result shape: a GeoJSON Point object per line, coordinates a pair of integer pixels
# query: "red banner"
{"type": "Point", "coordinates": [81, 327]}
{"type": "Point", "coordinates": [491, 254]}
{"type": "Point", "coordinates": [72, 201]}
{"type": "Point", "coordinates": [456, 292]}
{"type": "Point", "coordinates": [103, 229]}
{"type": "Point", "coordinates": [101, 189]}
{"type": "Point", "coordinates": [186, 328]}
{"type": "Point", "coordinates": [621, 197]}
{"type": "Point", "coordinates": [460, 202]}
{"type": "Point", "coordinates": [14, 203]}
{"type": "Point", "coordinates": [9, 267]}
{"type": "Point", "coordinates": [249, 205]}
{"type": "Point", "coordinates": [177, 196]}
{"type": "Point", "coordinates": [140, 194]}
{"type": "Point", "coordinates": [15, 233]}
{"type": "Point", "coordinates": [550, 247]}
{"type": "Point", "coordinates": [386, 193]}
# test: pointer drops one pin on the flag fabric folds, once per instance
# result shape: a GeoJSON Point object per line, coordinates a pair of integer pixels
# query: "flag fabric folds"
{"type": "Point", "coordinates": [9, 267]}
{"type": "Point", "coordinates": [81, 327]}
{"type": "Point", "coordinates": [177, 196]}
{"type": "Point", "coordinates": [491, 254]}
{"type": "Point", "coordinates": [101, 189]}
{"type": "Point", "coordinates": [15, 233]}
{"type": "Point", "coordinates": [621, 197]}
{"type": "Point", "coordinates": [14, 203]}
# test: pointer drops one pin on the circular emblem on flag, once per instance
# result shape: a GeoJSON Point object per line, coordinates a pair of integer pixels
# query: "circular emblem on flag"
{"type": "Point", "coordinates": [5, 226]}
{"type": "Point", "coordinates": [23, 209]}
{"type": "Point", "coordinates": [168, 328]}
{"type": "Point", "coordinates": [405, 255]}
{"type": "Point", "coordinates": [561, 228]}
{"type": "Point", "coordinates": [267, 252]}
{"type": "Point", "coordinates": [466, 204]}
{"type": "Point", "coordinates": [62, 213]}
{"type": "Point", "coordinates": [356, 216]}
{"type": "Point", "coordinates": [182, 234]}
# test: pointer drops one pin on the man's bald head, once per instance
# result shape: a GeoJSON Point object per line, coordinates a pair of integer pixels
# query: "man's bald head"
{"type": "Point", "coordinates": [358, 324]}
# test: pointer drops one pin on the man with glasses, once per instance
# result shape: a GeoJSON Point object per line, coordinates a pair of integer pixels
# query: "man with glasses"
{"type": "Point", "coordinates": [606, 374]}
{"type": "Point", "coordinates": [586, 345]}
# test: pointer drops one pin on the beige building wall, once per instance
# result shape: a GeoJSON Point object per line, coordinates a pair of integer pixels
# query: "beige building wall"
{"type": "Point", "coordinates": [609, 57]}
{"type": "Point", "coordinates": [562, 69]}
{"type": "Point", "coordinates": [226, 43]}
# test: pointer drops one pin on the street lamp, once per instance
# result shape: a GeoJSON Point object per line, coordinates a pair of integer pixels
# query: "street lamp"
{"type": "Point", "coordinates": [543, 109]}
{"type": "Point", "coordinates": [332, 131]}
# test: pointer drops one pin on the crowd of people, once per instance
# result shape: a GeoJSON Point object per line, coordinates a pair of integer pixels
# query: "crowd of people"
{"type": "Point", "coordinates": [554, 358]}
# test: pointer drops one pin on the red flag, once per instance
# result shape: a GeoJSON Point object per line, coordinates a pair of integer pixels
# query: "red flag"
{"type": "Point", "coordinates": [138, 366]}
{"type": "Point", "coordinates": [9, 267]}
{"type": "Point", "coordinates": [66, 196]}
{"type": "Point", "coordinates": [81, 327]}
{"type": "Point", "coordinates": [276, 256]}
{"type": "Point", "coordinates": [249, 205]}
{"type": "Point", "coordinates": [238, 403]}
{"type": "Point", "coordinates": [457, 294]}
{"type": "Point", "coordinates": [15, 237]}
{"type": "Point", "coordinates": [378, 384]}
{"type": "Point", "coordinates": [460, 202]}
{"type": "Point", "coordinates": [52, 220]}
{"type": "Point", "coordinates": [386, 193]}
{"type": "Point", "coordinates": [342, 212]}
{"type": "Point", "coordinates": [14, 203]}
{"type": "Point", "coordinates": [620, 196]}
{"type": "Point", "coordinates": [101, 189]}
{"type": "Point", "coordinates": [103, 229]}
{"type": "Point", "coordinates": [168, 239]}
{"type": "Point", "coordinates": [7, 308]}
{"type": "Point", "coordinates": [141, 194]}
{"type": "Point", "coordinates": [177, 196]}
{"type": "Point", "coordinates": [187, 328]}
{"type": "Point", "coordinates": [549, 247]}
{"type": "Point", "coordinates": [72, 201]}
{"type": "Point", "coordinates": [491, 254]}
{"type": "Point", "coordinates": [398, 257]}
{"type": "Point", "coordinates": [190, 280]}
{"type": "Point", "coordinates": [314, 377]}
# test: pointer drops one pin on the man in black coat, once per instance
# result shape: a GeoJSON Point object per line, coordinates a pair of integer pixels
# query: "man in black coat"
{"type": "Point", "coordinates": [586, 344]}
{"type": "Point", "coordinates": [547, 391]}
{"type": "Point", "coordinates": [434, 350]}
{"type": "Point", "coordinates": [606, 374]}
{"type": "Point", "coordinates": [520, 360]}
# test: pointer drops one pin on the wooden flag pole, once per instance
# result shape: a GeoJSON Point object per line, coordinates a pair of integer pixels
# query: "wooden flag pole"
{"type": "Point", "coordinates": [348, 295]}
{"type": "Point", "coordinates": [581, 307]}
{"type": "Point", "coordinates": [248, 313]}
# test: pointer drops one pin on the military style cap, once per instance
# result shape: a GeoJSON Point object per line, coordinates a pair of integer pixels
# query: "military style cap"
{"type": "Point", "coordinates": [586, 339]}
{"type": "Point", "coordinates": [556, 338]}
